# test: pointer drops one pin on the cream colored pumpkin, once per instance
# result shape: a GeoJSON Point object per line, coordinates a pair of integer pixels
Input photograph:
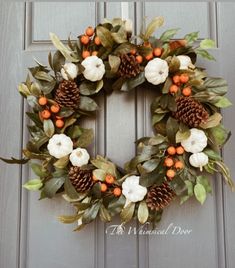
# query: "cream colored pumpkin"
{"type": "Point", "coordinates": [185, 62]}
{"type": "Point", "coordinates": [69, 71]}
{"type": "Point", "coordinates": [156, 71]}
{"type": "Point", "coordinates": [196, 142]}
{"type": "Point", "coordinates": [198, 160]}
{"type": "Point", "coordinates": [94, 68]}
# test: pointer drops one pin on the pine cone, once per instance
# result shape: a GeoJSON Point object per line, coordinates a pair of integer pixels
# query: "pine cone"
{"type": "Point", "coordinates": [81, 179]}
{"type": "Point", "coordinates": [129, 67]}
{"type": "Point", "coordinates": [159, 197]}
{"type": "Point", "coordinates": [67, 94]}
{"type": "Point", "coordinates": [190, 112]}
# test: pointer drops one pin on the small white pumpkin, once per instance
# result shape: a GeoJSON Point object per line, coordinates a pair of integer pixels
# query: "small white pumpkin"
{"type": "Point", "coordinates": [196, 142]}
{"type": "Point", "coordinates": [69, 71]}
{"type": "Point", "coordinates": [198, 160]}
{"type": "Point", "coordinates": [79, 157]}
{"type": "Point", "coordinates": [60, 145]}
{"type": "Point", "coordinates": [94, 68]}
{"type": "Point", "coordinates": [132, 190]}
{"type": "Point", "coordinates": [185, 62]}
{"type": "Point", "coordinates": [156, 71]}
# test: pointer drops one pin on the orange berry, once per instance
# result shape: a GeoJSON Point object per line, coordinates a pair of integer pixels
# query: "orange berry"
{"type": "Point", "coordinates": [184, 78]}
{"type": "Point", "coordinates": [180, 150]}
{"type": "Point", "coordinates": [179, 165]}
{"type": "Point", "coordinates": [117, 191]}
{"type": "Point", "coordinates": [45, 114]}
{"type": "Point", "coordinates": [59, 123]}
{"type": "Point", "coordinates": [187, 91]}
{"type": "Point", "coordinates": [157, 51]}
{"type": "Point", "coordinates": [94, 178]}
{"type": "Point", "coordinates": [173, 89]}
{"type": "Point", "coordinates": [97, 41]}
{"type": "Point", "coordinates": [176, 79]}
{"type": "Point", "coordinates": [149, 56]}
{"type": "Point", "coordinates": [147, 44]}
{"type": "Point", "coordinates": [85, 39]}
{"type": "Point", "coordinates": [42, 101]}
{"type": "Point", "coordinates": [169, 162]}
{"type": "Point", "coordinates": [103, 187]}
{"type": "Point", "coordinates": [170, 173]}
{"type": "Point", "coordinates": [85, 54]}
{"type": "Point", "coordinates": [89, 31]}
{"type": "Point", "coordinates": [133, 51]}
{"type": "Point", "coordinates": [139, 59]}
{"type": "Point", "coordinates": [94, 53]}
{"type": "Point", "coordinates": [55, 108]}
{"type": "Point", "coordinates": [109, 179]}
{"type": "Point", "coordinates": [171, 150]}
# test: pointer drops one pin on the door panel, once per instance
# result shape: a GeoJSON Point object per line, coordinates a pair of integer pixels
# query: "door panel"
{"type": "Point", "coordinates": [30, 235]}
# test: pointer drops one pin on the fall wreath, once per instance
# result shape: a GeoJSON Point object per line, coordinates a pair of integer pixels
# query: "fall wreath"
{"type": "Point", "coordinates": [175, 163]}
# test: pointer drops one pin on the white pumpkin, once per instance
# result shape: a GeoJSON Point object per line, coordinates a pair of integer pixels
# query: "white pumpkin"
{"type": "Point", "coordinates": [156, 71]}
{"type": "Point", "coordinates": [185, 62]}
{"type": "Point", "coordinates": [132, 190]}
{"type": "Point", "coordinates": [196, 142]}
{"type": "Point", "coordinates": [69, 71]}
{"type": "Point", "coordinates": [79, 157]}
{"type": "Point", "coordinates": [198, 160]}
{"type": "Point", "coordinates": [60, 145]}
{"type": "Point", "coordinates": [94, 68]}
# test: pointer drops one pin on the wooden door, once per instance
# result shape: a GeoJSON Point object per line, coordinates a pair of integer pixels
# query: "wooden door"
{"type": "Point", "coordinates": [30, 235]}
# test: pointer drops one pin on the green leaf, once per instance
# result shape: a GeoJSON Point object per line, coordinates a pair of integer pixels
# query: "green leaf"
{"type": "Point", "coordinates": [67, 219]}
{"type": "Point", "coordinates": [212, 154]}
{"type": "Point", "coordinates": [58, 61]}
{"type": "Point", "coordinates": [23, 89]}
{"type": "Point", "coordinates": [91, 213]}
{"type": "Point", "coordinates": [70, 190]}
{"type": "Point", "coordinates": [224, 170]}
{"type": "Point", "coordinates": [143, 212]}
{"type": "Point", "coordinates": [52, 186]}
{"type": "Point", "coordinates": [220, 134]}
{"type": "Point", "coordinates": [14, 160]}
{"type": "Point", "coordinates": [104, 214]}
{"type": "Point", "coordinates": [207, 44]}
{"type": "Point", "coordinates": [40, 75]}
{"type": "Point", "coordinates": [223, 103]}
{"type": "Point", "coordinates": [48, 128]}
{"type": "Point", "coordinates": [127, 212]}
{"type": "Point", "coordinates": [180, 135]}
{"type": "Point", "coordinates": [133, 82]}
{"type": "Point", "coordinates": [62, 162]}
{"type": "Point", "coordinates": [33, 102]}
{"type": "Point", "coordinates": [174, 64]}
{"type": "Point", "coordinates": [99, 174]}
{"type": "Point", "coordinates": [102, 163]}
{"type": "Point", "coordinates": [191, 37]}
{"type": "Point", "coordinates": [114, 63]}
{"type": "Point", "coordinates": [200, 192]}
{"type": "Point", "coordinates": [167, 85]}
{"type": "Point", "coordinates": [33, 185]}
{"type": "Point", "coordinates": [189, 185]}
{"type": "Point", "coordinates": [116, 206]}
{"type": "Point", "coordinates": [156, 23]}
{"type": "Point", "coordinates": [204, 54]}
{"type": "Point", "coordinates": [90, 88]}
{"type": "Point", "coordinates": [105, 36]}
{"type": "Point", "coordinates": [65, 112]}
{"type": "Point", "coordinates": [36, 89]}
{"type": "Point", "coordinates": [153, 177]}
{"type": "Point", "coordinates": [203, 180]}
{"type": "Point", "coordinates": [213, 121]}
{"type": "Point", "coordinates": [65, 51]}
{"type": "Point", "coordinates": [38, 170]}
{"type": "Point", "coordinates": [87, 104]}
{"type": "Point", "coordinates": [216, 85]}
{"type": "Point", "coordinates": [157, 118]}
{"type": "Point", "coordinates": [172, 127]}
{"type": "Point", "coordinates": [120, 37]}
{"type": "Point", "coordinates": [169, 34]}
{"type": "Point", "coordinates": [86, 138]}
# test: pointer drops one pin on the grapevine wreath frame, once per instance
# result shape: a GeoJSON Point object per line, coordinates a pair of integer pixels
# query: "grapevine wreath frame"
{"type": "Point", "coordinates": [176, 162]}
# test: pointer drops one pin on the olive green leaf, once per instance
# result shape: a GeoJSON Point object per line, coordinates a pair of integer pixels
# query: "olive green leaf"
{"type": "Point", "coordinates": [223, 103]}
{"type": "Point", "coordinates": [33, 102]}
{"type": "Point", "coordinates": [65, 51]}
{"type": "Point", "coordinates": [52, 186]}
{"type": "Point", "coordinates": [99, 174]}
{"type": "Point", "coordinates": [219, 134]}
{"type": "Point", "coordinates": [105, 36]}
{"type": "Point", "coordinates": [156, 23]}
{"type": "Point", "coordinates": [182, 135]}
{"type": "Point", "coordinates": [90, 88]}
{"type": "Point", "coordinates": [58, 61]}
{"type": "Point", "coordinates": [143, 212]}
{"type": "Point", "coordinates": [157, 118]}
{"type": "Point", "coordinates": [33, 185]}
{"type": "Point", "coordinates": [127, 212]}
{"type": "Point", "coordinates": [85, 139]}
{"type": "Point", "coordinates": [133, 82]}
{"type": "Point", "coordinates": [212, 154]}
{"type": "Point", "coordinates": [14, 160]}
{"type": "Point", "coordinates": [207, 44]}
{"type": "Point", "coordinates": [216, 85]}
{"type": "Point", "coordinates": [213, 121]}
{"type": "Point", "coordinates": [114, 63]}
{"type": "Point", "coordinates": [87, 104]}
{"type": "Point", "coordinates": [120, 36]}
{"type": "Point", "coordinates": [62, 162]}
{"type": "Point", "coordinates": [172, 127]}
{"type": "Point", "coordinates": [191, 37]}
{"type": "Point", "coordinates": [67, 219]}
{"type": "Point", "coordinates": [104, 214]}
{"type": "Point", "coordinates": [204, 54]}
{"type": "Point", "coordinates": [200, 192]}
{"type": "Point", "coordinates": [23, 90]}
{"type": "Point", "coordinates": [91, 213]}
{"type": "Point", "coordinates": [70, 190]}
{"type": "Point", "coordinates": [35, 89]}
{"type": "Point", "coordinates": [205, 182]}
{"type": "Point", "coordinates": [226, 174]}
{"type": "Point", "coordinates": [38, 170]}
{"type": "Point", "coordinates": [169, 34]}
{"type": "Point", "coordinates": [48, 128]}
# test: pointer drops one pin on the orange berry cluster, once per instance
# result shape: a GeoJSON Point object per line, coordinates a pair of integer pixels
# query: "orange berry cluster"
{"type": "Point", "coordinates": [179, 82]}
{"type": "Point", "coordinates": [87, 39]}
{"type": "Point", "coordinates": [171, 162]}
{"type": "Point", "coordinates": [108, 183]}
{"type": "Point", "coordinates": [50, 111]}
{"type": "Point", "coordinates": [156, 52]}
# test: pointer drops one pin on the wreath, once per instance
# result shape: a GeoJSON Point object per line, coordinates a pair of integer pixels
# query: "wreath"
{"type": "Point", "coordinates": [176, 163]}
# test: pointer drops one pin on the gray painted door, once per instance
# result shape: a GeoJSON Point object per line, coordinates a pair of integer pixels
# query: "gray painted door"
{"type": "Point", "coordinates": [30, 235]}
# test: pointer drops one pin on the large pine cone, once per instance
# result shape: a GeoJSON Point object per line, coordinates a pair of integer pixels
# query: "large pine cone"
{"type": "Point", "coordinates": [128, 67]}
{"type": "Point", "coordinates": [190, 112]}
{"type": "Point", "coordinates": [159, 197]}
{"type": "Point", "coordinates": [81, 179]}
{"type": "Point", "coordinates": [67, 94]}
